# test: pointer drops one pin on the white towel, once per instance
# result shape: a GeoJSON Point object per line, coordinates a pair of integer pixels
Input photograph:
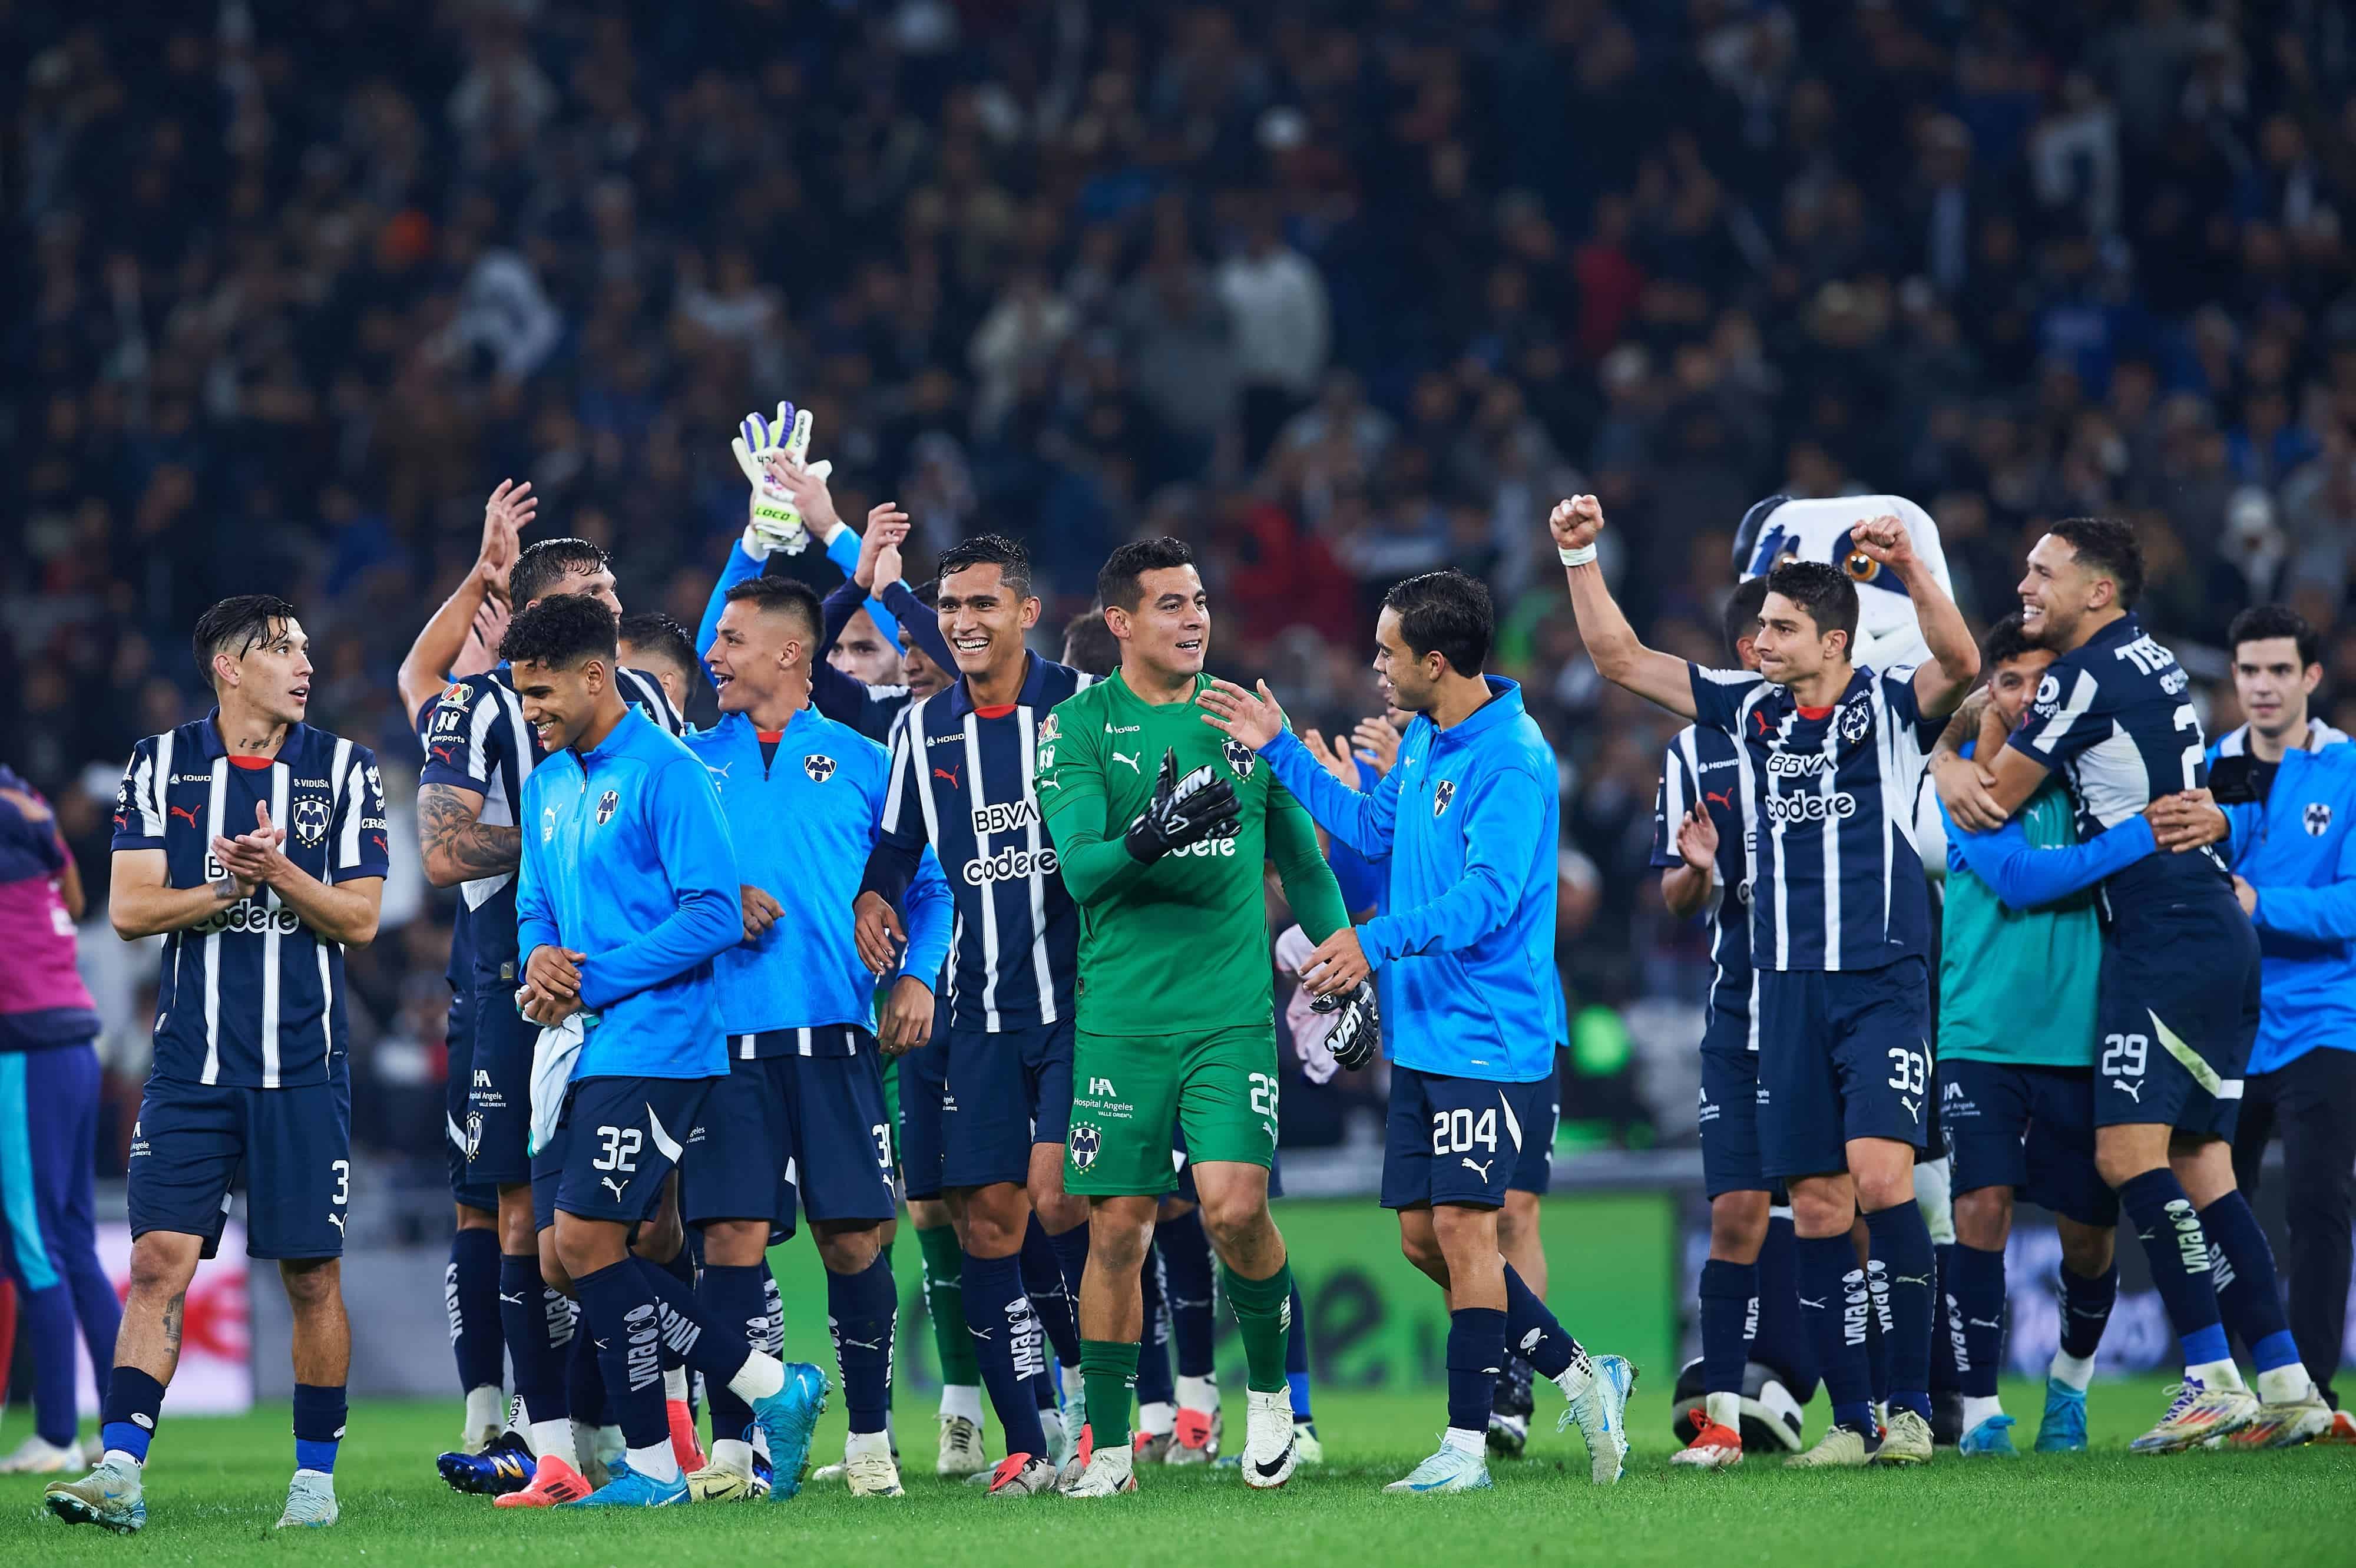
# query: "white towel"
{"type": "Point", "coordinates": [552, 1060]}
{"type": "Point", "coordinates": [1310, 1028]}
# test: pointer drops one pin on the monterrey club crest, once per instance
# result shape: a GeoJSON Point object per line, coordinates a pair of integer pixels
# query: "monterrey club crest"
{"type": "Point", "coordinates": [820, 767]}
{"type": "Point", "coordinates": [1086, 1144]}
{"type": "Point", "coordinates": [2318, 818]}
{"type": "Point", "coordinates": [1855, 720]}
{"type": "Point", "coordinates": [1240, 757]}
{"type": "Point", "coordinates": [474, 1135]}
{"type": "Point", "coordinates": [1443, 795]}
{"type": "Point", "coordinates": [311, 821]}
{"type": "Point", "coordinates": [606, 805]}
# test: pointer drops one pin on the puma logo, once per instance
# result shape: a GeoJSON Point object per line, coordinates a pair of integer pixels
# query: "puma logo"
{"type": "Point", "coordinates": [1913, 1108]}
{"type": "Point", "coordinates": [1818, 1304]}
{"type": "Point", "coordinates": [1760, 719]}
{"type": "Point", "coordinates": [188, 812]}
{"type": "Point", "coordinates": [338, 1222]}
{"type": "Point", "coordinates": [720, 772]}
{"type": "Point", "coordinates": [2132, 1090]}
{"type": "Point", "coordinates": [1118, 757]}
{"type": "Point", "coordinates": [948, 773]}
{"type": "Point", "coordinates": [1726, 800]}
{"type": "Point", "coordinates": [617, 1185]}
{"type": "Point", "coordinates": [510, 1300]}
{"type": "Point", "coordinates": [1481, 1170]}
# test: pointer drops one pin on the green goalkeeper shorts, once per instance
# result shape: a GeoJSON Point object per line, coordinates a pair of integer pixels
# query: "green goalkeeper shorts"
{"type": "Point", "coordinates": [1130, 1091]}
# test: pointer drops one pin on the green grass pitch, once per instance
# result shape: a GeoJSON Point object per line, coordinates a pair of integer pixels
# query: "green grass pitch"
{"type": "Point", "coordinates": [215, 1487]}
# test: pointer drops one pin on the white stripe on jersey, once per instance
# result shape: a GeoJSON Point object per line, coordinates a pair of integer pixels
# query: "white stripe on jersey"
{"type": "Point", "coordinates": [281, 777]}
{"type": "Point", "coordinates": [347, 774]}
{"type": "Point", "coordinates": [216, 804]}
{"type": "Point", "coordinates": [912, 735]}
{"type": "Point", "coordinates": [1044, 976]}
{"type": "Point", "coordinates": [979, 786]}
{"type": "Point", "coordinates": [2082, 697]}
{"type": "Point", "coordinates": [1828, 786]}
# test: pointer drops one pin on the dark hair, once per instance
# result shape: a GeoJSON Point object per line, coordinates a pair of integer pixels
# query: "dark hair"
{"type": "Point", "coordinates": [1822, 589]}
{"type": "Point", "coordinates": [652, 632]}
{"type": "Point", "coordinates": [2263, 623]}
{"type": "Point", "coordinates": [1742, 608]}
{"type": "Point", "coordinates": [2106, 545]}
{"type": "Point", "coordinates": [928, 593]}
{"type": "Point", "coordinates": [1121, 587]}
{"type": "Point", "coordinates": [543, 566]}
{"type": "Point", "coordinates": [1090, 645]}
{"type": "Point", "coordinates": [2006, 640]}
{"type": "Point", "coordinates": [1012, 561]}
{"type": "Point", "coordinates": [1448, 613]}
{"type": "Point", "coordinates": [235, 625]}
{"type": "Point", "coordinates": [780, 595]}
{"type": "Point", "coordinates": [560, 632]}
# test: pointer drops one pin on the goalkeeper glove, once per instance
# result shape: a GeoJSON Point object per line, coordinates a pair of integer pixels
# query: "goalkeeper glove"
{"type": "Point", "coordinates": [776, 522]}
{"type": "Point", "coordinates": [1357, 1034]}
{"type": "Point", "coordinates": [1183, 811]}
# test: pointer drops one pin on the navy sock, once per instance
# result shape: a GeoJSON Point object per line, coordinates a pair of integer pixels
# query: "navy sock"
{"type": "Point", "coordinates": [1186, 1276]}
{"type": "Point", "coordinates": [1533, 1331]}
{"type": "Point", "coordinates": [1728, 1292]}
{"type": "Point", "coordinates": [1946, 1373]}
{"type": "Point", "coordinates": [1476, 1352]}
{"type": "Point", "coordinates": [2086, 1309]}
{"type": "Point", "coordinates": [718, 1357]}
{"type": "Point", "coordinates": [584, 1384]}
{"type": "Point", "coordinates": [470, 1289]}
{"type": "Point", "coordinates": [1155, 1382]}
{"type": "Point", "coordinates": [626, 1322]}
{"type": "Point", "coordinates": [2249, 1301]}
{"type": "Point", "coordinates": [318, 1426]}
{"type": "Point", "coordinates": [127, 1420]}
{"type": "Point", "coordinates": [1976, 1317]}
{"type": "Point", "coordinates": [1071, 1250]}
{"type": "Point", "coordinates": [1877, 1332]}
{"type": "Point", "coordinates": [536, 1323]}
{"type": "Point", "coordinates": [863, 1310]}
{"type": "Point", "coordinates": [2178, 1249]}
{"type": "Point", "coordinates": [1778, 1340]}
{"type": "Point", "coordinates": [734, 1300]}
{"type": "Point", "coordinates": [1905, 1270]}
{"type": "Point", "coordinates": [46, 1317]}
{"type": "Point", "coordinates": [1834, 1306]}
{"type": "Point", "coordinates": [1043, 1282]}
{"type": "Point", "coordinates": [1296, 1356]}
{"type": "Point", "coordinates": [1009, 1345]}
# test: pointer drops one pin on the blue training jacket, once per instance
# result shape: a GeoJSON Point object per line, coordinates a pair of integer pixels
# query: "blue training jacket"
{"type": "Point", "coordinates": [626, 859]}
{"type": "Point", "coordinates": [2298, 849]}
{"type": "Point", "coordinates": [803, 824]}
{"type": "Point", "coordinates": [1470, 819]}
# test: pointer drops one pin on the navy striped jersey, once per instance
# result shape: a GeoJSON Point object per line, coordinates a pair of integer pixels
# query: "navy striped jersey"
{"type": "Point", "coordinates": [251, 998]}
{"type": "Point", "coordinates": [1705, 766]}
{"type": "Point", "coordinates": [2116, 717]}
{"type": "Point", "coordinates": [961, 781]}
{"type": "Point", "coordinates": [1837, 879]}
{"type": "Point", "coordinates": [476, 740]}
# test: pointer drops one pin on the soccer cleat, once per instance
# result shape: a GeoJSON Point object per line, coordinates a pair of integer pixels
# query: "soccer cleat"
{"type": "Point", "coordinates": [869, 1468]}
{"type": "Point", "coordinates": [2284, 1424]}
{"type": "Point", "coordinates": [1195, 1438]}
{"type": "Point", "coordinates": [1840, 1448]}
{"type": "Point", "coordinates": [553, 1482]}
{"type": "Point", "coordinates": [2064, 1428]}
{"type": "Point", "coordinates": [109, 1497]}
{"type": "Point", "coordinates": [1906, 1440]}
{"type": "Point", "coordinates": [1992, 1439]}
{"type": "Point", "coordinates": [1269, 1453]}
{"type": "Point", "coordinates": [1073, 1422]}
{"type": "Point", "coordinates": [629, 1489]}
{"type": "Point", "coordinates": [35, 1456]}
{"type": "Point", "coordinates": [310, 1502]}
{"type": "Point", "coordinates": [503, 1466]}
{"type": "Point", "coordinates": [1450, 1470]}
{"type": "Point", "coordinates": [1508, 1434]}
{"type": "Point", "coordinates": [722, 1484]}
{"type": "Point", "coordinates": [1714, 1447]}
{"type": "Point", "coordinates": [1600, 1409]}
{"type": "Point", "coordinates": [789, 1417]}
{"type": "Point", "coordinates": [1109, 1472]}
{"type": "Point", "coordinates": [1021, 1476]}
{"type": "Point", "coordinates": [2197, 1412]}
{"type": "Point", "coordinates": [961, 1452]}
{"type": "Point", "coordinates": [684, 1445]}
{"type": "Point", "coordinates": [1153, 1447]}
{"type": "Point", "coordinates": [2342, 1429]}
{"type": "Point", "coordinates": [1306, 1443]}
{"type": "Point", "coordinates": [1074, 1465]}
{"type": "Point", "coordinates": [829, 1473]}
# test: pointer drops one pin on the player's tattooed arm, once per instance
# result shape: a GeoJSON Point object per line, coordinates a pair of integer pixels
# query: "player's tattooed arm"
{"type": "Point", "coordinates": [1964, 725]}
{"type": "Point", "coordinates": [455, 846]}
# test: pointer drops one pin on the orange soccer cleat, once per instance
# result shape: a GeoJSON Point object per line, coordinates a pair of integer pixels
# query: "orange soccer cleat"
{"type": "Point", "coordinates": [552, 1483]}
{"type": "Point", "coordinates": [1714, 1447]}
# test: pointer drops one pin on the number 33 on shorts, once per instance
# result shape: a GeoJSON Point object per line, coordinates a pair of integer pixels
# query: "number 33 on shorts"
{"type": "Point", "coordinates": [1910, 1075]}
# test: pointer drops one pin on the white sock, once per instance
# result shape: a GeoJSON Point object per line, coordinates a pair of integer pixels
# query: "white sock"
{"type": "Point", "coordinates": [1158, 1419]}
{"type": "Point", "coordinates": [1881, 1415]}
{"type": "Point", "coordinates": [1198, 1393]}
{"type": "Point", "coordinates": [2071, 1371]}
{"type": "Point", "coordinates": [485, 1407]}
{"type": "Point", "coordinates": [1576, 1379]}
{"type": "Point", "coordinates": [962, 1399]}
{"type": "Point", "coordinates": [732, 1454]}
{"type": "Point", "coordinates": [655, 1464]}
{"type": "Point", "coordinates": [1075, 1387]}
{"type": "Point", "coordinates": [554, 1440]}
{"type": "Point", "coordinates": [1724, 1409]}
{"type": "Point", "coordinates": [1980, 1407]}
{"type": "Point", "coordinates": [2283, 1384]}
{"type": "Point", "coordinates": [122, 1459]}
{"type": "Point", "coordinates": [865, 1444]}
{"type": "Point", "coordinates": [325, 1476]}
{"type": "Point", "coordinates": [1463, 1442]}
{"type": "Point", "coordinates": [761, 1377]}
{"type": "Point", "coordinates": [675, 1385]}
{"type": "Point", "coordinates": [2215, 1375]}
{"type": "Point", "coordinates": [605, 1442]}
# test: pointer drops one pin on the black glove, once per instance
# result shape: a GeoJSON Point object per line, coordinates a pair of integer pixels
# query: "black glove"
{"type": "Point", "coordinates": [1358, 1033]}
{"type": "Point", "coordinates": [1183, 811]}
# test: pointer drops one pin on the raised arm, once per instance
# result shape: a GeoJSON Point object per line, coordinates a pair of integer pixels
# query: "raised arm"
{"type": "Point", "coordinates": [461, 740]}
{"type": "Point", "coordinates": [441, 643]}
{"type": "Point", "coordinates": [1620, 658]}
{"type": "Point", "coordinates": [1955, 664]}
{"type": "Point", "coordinates": [1362, 820]}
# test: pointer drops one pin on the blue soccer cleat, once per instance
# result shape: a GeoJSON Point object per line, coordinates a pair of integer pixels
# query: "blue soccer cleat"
{"type": "Point", "coordinates": [1446, 1471]}
{"type": "Point", "coordinates": [629, 1489]}
{"type": "Point", "coordinates": [790, 1417]}
{"type": "Point", "coordinates": [504, 1466]}
{"type": "Point", "coordinates": [1992, 1439]}
{"type": "Point", "coordinates": [1599, 1408]}
{"type": "Point", "coordinates": [2064, 1429]}
{"type": "Point", "coordinates": [109, 1497]}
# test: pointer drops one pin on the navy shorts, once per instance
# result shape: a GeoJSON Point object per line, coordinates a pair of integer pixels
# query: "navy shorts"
{"type": "Point", "coordinates": [923, 1084]}
{"type": "Point", "coordinates": [2176, 1013]}
{"type": "Point", "coordinates": [616, 1141]}
{"type": "Point", "coordinates": [2028, 1128]}
{"type": "Point", "coordinates": [1728, 1119]}
{"type": "Point", "coordinates": [1457, 1140]}
{"type": "Point", "coordinates": [465, 1187]}
{"type": "Point", "coordinates": [1006, 1091]}
{"type": "Point", "coordinates": [784, 1134]}
{"type": "Point", "coordinates": [1534, 1171]}
{"type": "Point", "coordinates": [1843, 1054]}
{"type": "Point", "coordinates": [1186, 1192]}
{"type": "Point", "coordinates": [49, 1146]}
{"type": "Point", "coordinates": [294, 1146]}
{"type": "Point", "coordinates": [499, 1098]}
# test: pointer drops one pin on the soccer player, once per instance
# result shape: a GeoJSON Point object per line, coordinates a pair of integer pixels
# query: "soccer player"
{"type": "Point", "coordinates": [1831, 759]}
{"type": "Point", "coordinates": [49, 1127]}
{"type": "Point", "coordinates": [626, 892]}
{"type": "Point", "coordinates": [2288, 785]}
{"type": "Point", "coordinates": [799, 1122]}
{"type": "Point", "coordinates": [1467, 820]}
{"type": "Point", "coordinates": [1162, 832]}
{"type": "Point", "coordinates": [2177, 1000]}
{"type": "Point", "coordinates": [658, 645]}
{"type": "Point", "coordinates": [255, 845]}
{"type": "Point", "coordinates": [2020, 949]}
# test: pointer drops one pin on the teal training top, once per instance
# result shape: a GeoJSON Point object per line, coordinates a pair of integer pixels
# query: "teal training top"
{"type": "Point", "coordinates": [2017, 985]}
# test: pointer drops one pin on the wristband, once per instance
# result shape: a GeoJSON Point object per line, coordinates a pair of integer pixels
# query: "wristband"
{"type": "Point", "coordinates": [1578, 557]}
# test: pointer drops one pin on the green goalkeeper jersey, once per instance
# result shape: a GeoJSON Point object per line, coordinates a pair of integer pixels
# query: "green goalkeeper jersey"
{"type": "Point", "coordinates": [1180, 945]}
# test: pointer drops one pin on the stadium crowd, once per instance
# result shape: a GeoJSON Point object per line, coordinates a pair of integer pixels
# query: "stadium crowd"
{"type": "Point", "coordinates": [1336, 292]}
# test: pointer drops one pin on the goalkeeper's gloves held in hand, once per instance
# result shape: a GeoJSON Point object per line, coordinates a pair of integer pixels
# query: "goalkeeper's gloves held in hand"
{"type": "Point", "coordinates": [1183, 811]}
{"type": "Point", "coordinates": [775, 522]}
{"type": "Point", "coordinates": [1357, 1034]}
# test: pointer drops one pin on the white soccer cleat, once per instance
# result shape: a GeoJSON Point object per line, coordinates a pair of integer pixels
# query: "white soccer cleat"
{"type": "Point", "coordinates": [1021, 1476]}
{"type": "Point", "coordinates": [1840, 1448]}
{"type": "Point", "coordinates": [1108, 1474]}
{"type": "Point", "coordinates": [961, 1450]}
{"type": "Point", "coordinates": [35, 1457]}
{"type": "Point", "coordinates": [1307, 1443]}
{"type": "Point", "coordinates": [1450, 1470]}
{"type": "Point", "coordinates": [310, 1502]}
{"type": "Point", "coordinates": [1269, 1454]}
{"type": "Point", "coordinates": [1905, 1441]}
{"type": "Point", "coordinates": [1599, 1408]}
{"type": "Point", "coordinates": [721, 1482]}
{"type": "Point", "coordinates": [109, 1497]}
{"type": "Point", "coordinates": [2197, 1412]}
{"type": "Point", "coordinates": [868, 1466]}
{"type": "Point", "coordinates": [2282, 1424]}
